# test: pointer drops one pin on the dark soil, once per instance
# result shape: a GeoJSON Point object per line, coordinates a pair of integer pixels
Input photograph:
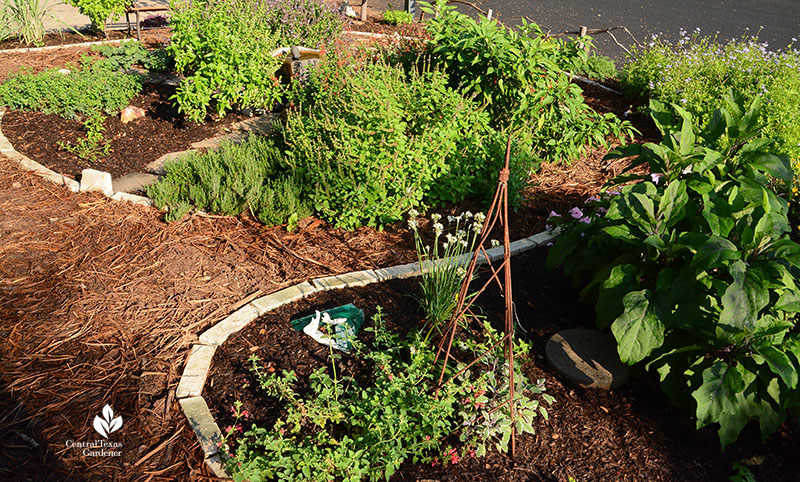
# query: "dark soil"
{"type": "Point", "coordinates": [133, 145]}
{"type": "Point", "coordinates": [631, 434]}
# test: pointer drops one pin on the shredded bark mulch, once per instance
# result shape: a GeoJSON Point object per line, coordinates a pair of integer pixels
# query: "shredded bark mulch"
{"type": "Point", "coordinates": [68, 37]}
{"type": "Point", "coordinates": [133, 145]}
{"type": "Point", "coordinates": [629, 434]}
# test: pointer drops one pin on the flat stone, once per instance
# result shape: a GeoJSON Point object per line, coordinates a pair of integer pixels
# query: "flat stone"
{"type": "Point", "coordinates": [398, 272]}
{"type": "Point", "coordinates": [157, 166]}
{"type": "Point", "coordinates": [132, 198]}
{"type": "Point", "coordinates": [133, 181]}
{"type": "Point", "coordinates": [347, 280]}
{"type": "Point", "coordinates": [544, 237]}
{"type": "Point", "coordinates": [217, 467]}
{"type": "Point", "coordinates": [587, 358]}
{"type": "Point", "coordinates": [94, 180]}
{"type": "Point", "coordinates": [203, 424]}
{"type": "Point", "coordinates": [195, 371]}
{"type": "Point", "coordinates": [286, 295]}
{"type": "Point", "coordinates": [217, 334]}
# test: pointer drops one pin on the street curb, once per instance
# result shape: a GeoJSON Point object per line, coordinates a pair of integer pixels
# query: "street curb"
{"type": "Point", "coordinates": [68, 46]}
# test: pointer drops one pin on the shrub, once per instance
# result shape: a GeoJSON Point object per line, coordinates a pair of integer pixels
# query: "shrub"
{"type": "Point", "coordinates": [518, 76]}
{"type": "Point", "coordinates": [696, 72]}
{"type": "Point", "coordinates": [347, 429]}
{"type": "Point", "coordinates": [397, 17]}
{"type": "Point", "coordinates": [237, 177]}
{"type": "Point", "coordinates": [90, 88]}
{"type": "Point", "coordinates": [224, 49]}
{"type": "Point", "coordinates": [374, 141]}
{"type": "Point", "coordinates": [310, 23]}
{"type": "Point", "coordinates": [693, 269]}
{"type": "Point", "coordinates": [98, 11]}
{"type": "Point", "coordinates": [598, 67]}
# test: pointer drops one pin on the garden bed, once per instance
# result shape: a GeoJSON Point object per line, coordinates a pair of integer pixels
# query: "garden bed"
{"type": "Point", "coordinates": [133, 145]}
{"type": "Point", "coordinates": [630, 434]}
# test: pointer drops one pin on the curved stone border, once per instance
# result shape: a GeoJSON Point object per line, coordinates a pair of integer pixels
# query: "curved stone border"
{"type": "Point", "coordinates": [198, 363]}
{"type": "Point", "coordinates": [68, 46]}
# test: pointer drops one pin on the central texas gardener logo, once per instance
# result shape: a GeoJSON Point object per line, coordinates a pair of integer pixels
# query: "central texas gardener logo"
{"type": "Point", "coordinates": [108, 423]}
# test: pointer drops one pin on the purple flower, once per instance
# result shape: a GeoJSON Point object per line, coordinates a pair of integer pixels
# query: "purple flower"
{"type": "Point", "coordinates": [602, 210]}
{"type": "Point", "coordinates": [591, 199]}
{"type": "Point", "coordinates": [655, 178]}
{"type": "Point", "coordinates": [585, 220]}
{"type": "Point", "coordinates": [553, 214]}
{"type": "Point", "coordinates": [575, 213]}
{"type": "Point", "coordinates": [549, 244]}
{"type": "Point", "coordinates": [613, 192]}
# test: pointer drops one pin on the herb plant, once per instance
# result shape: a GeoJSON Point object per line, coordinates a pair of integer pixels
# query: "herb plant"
{"type": "Point", "coordinates": [375, 141]}
{"type": "Point", "coordinates": [132, 53]}
{"type": "Point", "coordinates": [90, 88]}
{"type": "Point", "coordinates": [693, 269]}
{"type": "Point", "coordinates": [310, 23]}
{"type": "Point", "coordinates": [353, 430]}
{"type": "Point", "coordinates": [443, 271]}
{"type": "Point", "coordinates": [247, 177]}
{"type": "Point", "coordinates": [224, 47]}
{"type": "Point", "coordinates": [94, 145]}
{"type": "Point", "coordinates": [397, 17]}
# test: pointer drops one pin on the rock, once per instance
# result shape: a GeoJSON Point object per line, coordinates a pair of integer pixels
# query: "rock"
{"type": "Point", "coordinates": [157, 166]}
{"type": "Point", "coordinates": [134, 181]}
{"type": "Point", "coordinates": [347, 10]}
{"type": "Point", "coordinates": [131, 113]}
{"type": "Point", "coordinates": [93, 180]}
{"type": "Point", "coordinates": [16, 184]}
{"type": "Point", "coordinates": [64, 71]}
{"type": "Point", "coordinates": [247, 111]}
{"type": "Point", "coordinates": [588, 358]}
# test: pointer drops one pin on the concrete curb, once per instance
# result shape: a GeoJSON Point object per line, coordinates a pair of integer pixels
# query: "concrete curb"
{"type": "Point", "coordinates": [198, 363]}
{"type": "Point", "coordinates": [68, 46]}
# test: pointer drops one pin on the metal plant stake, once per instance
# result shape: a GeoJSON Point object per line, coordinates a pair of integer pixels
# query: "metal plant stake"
{"type": "Point", "coordinates": [497, 211]}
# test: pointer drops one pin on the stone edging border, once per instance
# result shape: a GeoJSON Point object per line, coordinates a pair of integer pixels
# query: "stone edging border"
{"type": "Point", "coordinates": [67, 46]}
{"type": "Point", "coordinates": [198, 363]}
{"type": "Point", "coordinates": [28, 164]}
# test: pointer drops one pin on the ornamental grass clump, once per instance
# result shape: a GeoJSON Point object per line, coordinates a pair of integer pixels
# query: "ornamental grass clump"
{"type": "Point", "coordinates": [443, 263]}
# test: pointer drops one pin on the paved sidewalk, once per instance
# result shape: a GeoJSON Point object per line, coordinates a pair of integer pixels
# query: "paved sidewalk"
{"type": "Point", "coordinates": [63, 16]}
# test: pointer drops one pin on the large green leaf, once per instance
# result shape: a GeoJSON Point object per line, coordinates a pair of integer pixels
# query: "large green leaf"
{"type": "Point", "coordinates": [713, 253]}
{"type": "Point", "coordinates": [717, 395]}
{"type": "Point", "coordinates": [621, 280]}
{"type": "Point", "coordinates": [780, 364]}
{"type": "Point", "coordinates": [638, 330]}
{"type": "Point", "coordinates": [674, 199]}
{"type": "Point", "coordinates": [743, 299]}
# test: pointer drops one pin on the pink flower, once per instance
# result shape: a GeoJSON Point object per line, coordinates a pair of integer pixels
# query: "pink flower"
{"type": "Point", "coordinates": [434, 462]}
{"type": "Point", "coordinates": [576, 213]}
{"type": "Point", "coordinates": [391, 377]}
{"type": "Point", "coordinates": [655, 178]}
{"type": "Point", "coordinates": [585, 220]}
{"type": "Point", "coordinates": [592, 199]}
{"type": "Point", "coordinates": [427, 437]}
{"type": "Point", "coordinates": [613, 192]}
{"type": "Point", "coordinates": [553, 214]}
{"type": "Point", "coordinates": [245, 414]}
{"type": "Point", "coordinates": [472, 453]}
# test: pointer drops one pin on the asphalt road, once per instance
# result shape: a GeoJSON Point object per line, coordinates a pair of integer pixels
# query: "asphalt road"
{"type": "Point", "coordinates": [775, 21]}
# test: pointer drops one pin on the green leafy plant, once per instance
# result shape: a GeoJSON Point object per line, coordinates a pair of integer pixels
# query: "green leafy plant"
{"type": "Point", "coordinates": [224, 47]}
{"type": "Point", "coordinates": [598, 67]}
{"type": "Point", "coordinates": [695, 72]}
{"type": "Point", "coordinates": [94, 145]}
{"type": "Point", "coordinates": [375, 141]}
{"type": "Point", "coordinates": [127, 54]}
{"type": "Point", "coordinates": [347, 429]}
{"type": "Point", "coordinates": [311, 23]}
{"type": "Point", "coordinates": [444, 268]}
{"type": "Point", "coordinates": [99, 11]}
{"type": "Point", "coordinates": [397, 17]}
{"type": "Point", "coordinates": [693, 270]}
{"type": "Point", "coordinates": [88, 89]}
{"type": "Point", "coordinates": [249, 176]}
{"type": "Point", "coordinates": [517, 75]}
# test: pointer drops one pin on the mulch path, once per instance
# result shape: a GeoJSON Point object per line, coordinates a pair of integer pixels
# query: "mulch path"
{"type": "Point", "coordinates": [133, 145]}
{"type": "Point", "coordinates": [630, 434]}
